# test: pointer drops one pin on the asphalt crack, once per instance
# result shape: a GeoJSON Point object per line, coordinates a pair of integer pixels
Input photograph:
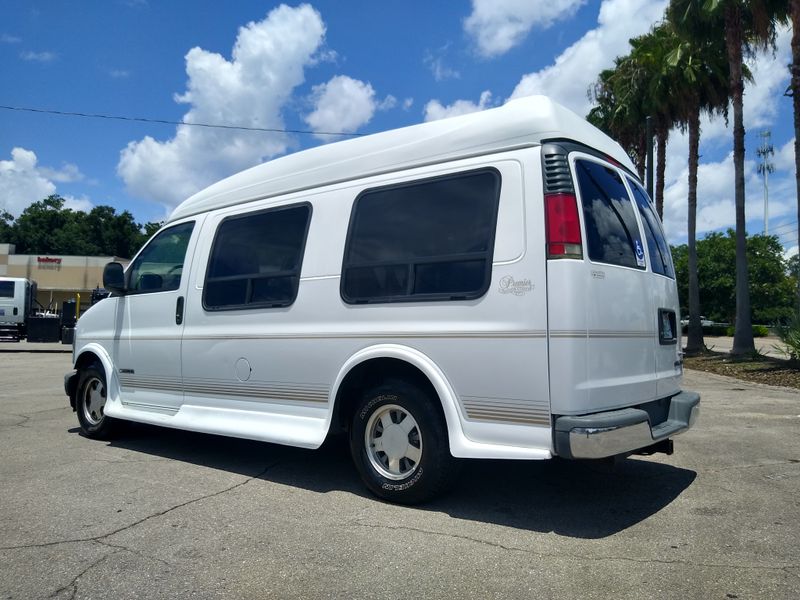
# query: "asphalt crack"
{"type": "Point", "coordinates": [498, 545]}
{"type": "Point", "coordinates": [74, 583]}
{"type": "Point", "coordinates": [100, 538]}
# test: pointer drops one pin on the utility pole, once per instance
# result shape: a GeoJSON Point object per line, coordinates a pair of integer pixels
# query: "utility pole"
{"type": "Point", "coordinates": [765, 168]}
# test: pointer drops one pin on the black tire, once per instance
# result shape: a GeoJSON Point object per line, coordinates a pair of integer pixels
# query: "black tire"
{"type": "Point", "coordinates": [392, 472]}
{"type": "Point", "coordinates": [90, 397]}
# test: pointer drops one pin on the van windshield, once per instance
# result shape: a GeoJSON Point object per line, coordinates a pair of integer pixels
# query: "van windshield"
{"type": "Point", "coordinates": [6, 289]}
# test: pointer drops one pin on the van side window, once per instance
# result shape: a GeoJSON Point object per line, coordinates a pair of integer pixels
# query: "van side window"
{"type": "Point", "coordinates": [611, 230]}
{"type": "Point", "coordinates": [657, 248]}
{"type": "Point", "coordinates": [159, 266]}
{"type": "Point", "coordinates": [256, 259]}
{"type": "Point", "coordinates": [6, 289]}
{"type": "Point", "coordinates": [427, 240]}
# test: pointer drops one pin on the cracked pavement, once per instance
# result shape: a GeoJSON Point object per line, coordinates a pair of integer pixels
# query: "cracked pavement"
{"type": "Point", "coordinates": [158, 513]}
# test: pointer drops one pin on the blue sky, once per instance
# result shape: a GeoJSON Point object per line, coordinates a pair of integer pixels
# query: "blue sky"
{"type": "Point", "coordinates": [325, 66]}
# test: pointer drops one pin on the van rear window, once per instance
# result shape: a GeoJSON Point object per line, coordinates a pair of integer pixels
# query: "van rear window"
{"type": "Point", "coordinates": [256, 259]}
{"type": "Point", "coordinates": [427, 240]}
{"type": "Point", "coordinates": [611, 229]}
{"type": "Point", "coordinates": [657, 248]}
{"type": "Point", "coordinates": [6, 289]}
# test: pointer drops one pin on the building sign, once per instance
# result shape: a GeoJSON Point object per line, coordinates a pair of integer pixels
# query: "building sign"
{"type": "Point", "coordinates": [52, 263]}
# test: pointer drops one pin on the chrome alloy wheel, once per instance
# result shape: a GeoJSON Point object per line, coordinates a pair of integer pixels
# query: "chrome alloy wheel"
{"type": "Point", "coordinates": [393, 442]}
{"type": "Point", "coordinates": [93, 401]}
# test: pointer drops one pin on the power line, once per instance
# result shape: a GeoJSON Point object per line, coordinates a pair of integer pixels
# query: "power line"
{"type": "Point", "coordinates": [63, 113]}
{"type": "Point", "coordinates": [784, 226]}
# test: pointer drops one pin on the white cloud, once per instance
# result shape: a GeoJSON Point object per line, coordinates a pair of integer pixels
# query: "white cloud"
{"type": "Point", "coordinates": [268, 61]}
{"type": "Point", "coordinates": [496, 26]}
{"type": "Point", "coordinates": [715, 199]}
{"type": "Point", "coordinates": [68, 173]}
{"type": "Point", "coordinates": [436, 63]}
{"type": "Point", "coordinates": [435, 110]}
{"type": "Point", "coordinates": [408, 103]}
{"type": "Point", "coordinates": [9, 39]}
{"type": "Point", "coordinates": [574, 70]}
{"type": "Point", "coordinates": [342, 104]}
{"type": "Point", "coordinates": [387, 103]}
{"type": "Point", "coordinates": [784, 157]}
{"type": "Point", "coordinates": [23, 181]}
{"type": "Point", "coordinates": [42, 57]}
{"type": "Point", "coordinates": [119, 73]}
{"type": "Point", "coordinates": [82, 204]}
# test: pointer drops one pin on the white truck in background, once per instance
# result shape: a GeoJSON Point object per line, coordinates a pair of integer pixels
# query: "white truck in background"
{"type": "Point", "coordinates": [16, 300]}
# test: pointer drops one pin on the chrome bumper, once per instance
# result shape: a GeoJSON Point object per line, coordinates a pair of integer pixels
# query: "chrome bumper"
{"type": "Point", "coordinates": [622, 431]}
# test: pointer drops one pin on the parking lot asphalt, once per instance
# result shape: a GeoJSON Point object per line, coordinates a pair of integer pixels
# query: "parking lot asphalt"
{"type": "Point", "coordinates": [158, 513]}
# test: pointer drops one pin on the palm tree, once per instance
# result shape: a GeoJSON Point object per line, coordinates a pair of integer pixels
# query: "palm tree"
{"type": "Point", "coordinates": [794, 87]}
{"type": "Point", "coordinates": [618, 109]}
{"type": "Point", "coordinates": [696, 73]}
{"type": "Point", "coordinates": [745, 26]}
{"type": "Point", "coordinates": [650, 52]}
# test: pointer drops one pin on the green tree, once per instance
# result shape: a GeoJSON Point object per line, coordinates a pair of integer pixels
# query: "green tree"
{"type": "Point", "coordinates": [745, 25]}
{"type": "Point", "coordinates": [7, 230]}
{"type": "Point", "coordinates": [771, 287]}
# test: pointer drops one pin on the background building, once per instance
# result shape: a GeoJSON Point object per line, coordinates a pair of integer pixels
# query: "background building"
{"type": "Point", "coordinates": [59, 278]}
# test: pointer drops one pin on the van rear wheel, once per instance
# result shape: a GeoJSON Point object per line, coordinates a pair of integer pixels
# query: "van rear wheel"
{"type": "Point", "coordinates": [91, 396]}
{"type": "Point", "coordinates": [398, 440]}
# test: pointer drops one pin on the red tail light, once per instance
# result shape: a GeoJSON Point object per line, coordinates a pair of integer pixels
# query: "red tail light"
{"type": "Point", "coordinates": [563, 226]}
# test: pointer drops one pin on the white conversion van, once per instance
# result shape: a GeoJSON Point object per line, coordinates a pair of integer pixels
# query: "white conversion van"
{"type": "Point", "coordinates": [495, 285]}
{"type": "Point", "coordinates": [16, 297]}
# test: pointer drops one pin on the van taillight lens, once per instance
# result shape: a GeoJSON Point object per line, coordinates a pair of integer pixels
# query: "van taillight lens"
{"type": "Point", "coordinates": [563, 226]}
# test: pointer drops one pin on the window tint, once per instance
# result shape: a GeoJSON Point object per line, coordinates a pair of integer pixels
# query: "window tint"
{"type": "Point", "coordinates": [657, 248]}
{"type": "Point", "coordinates": [423, 241]}
{"type": "Point", "coordinates": [6, 289]}
{"type": "Point", "coordinates": [611, 229]}
{"type": "Point", "coordinates": [256, 259]}
{"type": "Point", "coordinates": [159, 266]}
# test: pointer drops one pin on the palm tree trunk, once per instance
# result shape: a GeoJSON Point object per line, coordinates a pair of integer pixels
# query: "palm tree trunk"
{"type": "Point", "coordinates": [795, 85]}
{"type": "Point", "coordinates": [743, 334]}
{"type": "Point", "coordinates": [694, 342]}
{"type": "Point", "coordinates": [662, 133]}
{"type": "Point", "coordinates": [641, 152]}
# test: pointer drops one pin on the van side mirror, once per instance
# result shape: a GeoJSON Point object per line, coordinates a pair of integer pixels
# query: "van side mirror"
{"type": "Point", "coordinates": [114, 278]}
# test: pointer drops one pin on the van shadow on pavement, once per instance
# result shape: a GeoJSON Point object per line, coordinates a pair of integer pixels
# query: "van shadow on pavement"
{"type": "Point", "coordinates": [570, 498]}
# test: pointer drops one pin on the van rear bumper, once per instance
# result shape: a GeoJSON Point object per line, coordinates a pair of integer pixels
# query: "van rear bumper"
{"type": "Point", "coordinates": [623, 431]}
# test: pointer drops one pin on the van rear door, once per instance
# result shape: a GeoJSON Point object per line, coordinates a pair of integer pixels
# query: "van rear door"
{"type": "Point", "coordinates": [606, 307]}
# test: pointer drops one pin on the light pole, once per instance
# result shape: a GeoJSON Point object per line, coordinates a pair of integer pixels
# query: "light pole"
{"type": "Point", "coordinates": [765, 168]}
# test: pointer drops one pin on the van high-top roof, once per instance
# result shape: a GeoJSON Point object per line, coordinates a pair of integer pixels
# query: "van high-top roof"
{"type": "Point", "coordinates": [520, 123]}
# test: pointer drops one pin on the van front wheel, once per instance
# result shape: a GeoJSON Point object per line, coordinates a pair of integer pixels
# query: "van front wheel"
{"type": "Point", "coordinates": [398, 440]}
{"type": "Point", "coordinates": [91, 398]}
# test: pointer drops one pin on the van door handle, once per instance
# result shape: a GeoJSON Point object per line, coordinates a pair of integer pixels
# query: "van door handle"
{"type": "Point", "coordinates": [179, 311]}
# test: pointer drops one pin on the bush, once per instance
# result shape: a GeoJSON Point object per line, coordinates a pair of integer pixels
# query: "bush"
{"type": "Point", "coordinates": [760, 331]}
{"type": "Point", "coordinates": [790, 336]}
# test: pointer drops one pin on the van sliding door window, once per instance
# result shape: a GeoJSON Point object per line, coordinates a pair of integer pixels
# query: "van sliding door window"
{"type": "Point", "coordinates": [657, 248]}
{"type": "Point", "coordinates": [256, 258]}
{"type": "Point", "coordinates": [427, 240]}
{"type": "Point", "coordinates": [159, 266]}
{"type": "Point", "coordinates": [612, 234]}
